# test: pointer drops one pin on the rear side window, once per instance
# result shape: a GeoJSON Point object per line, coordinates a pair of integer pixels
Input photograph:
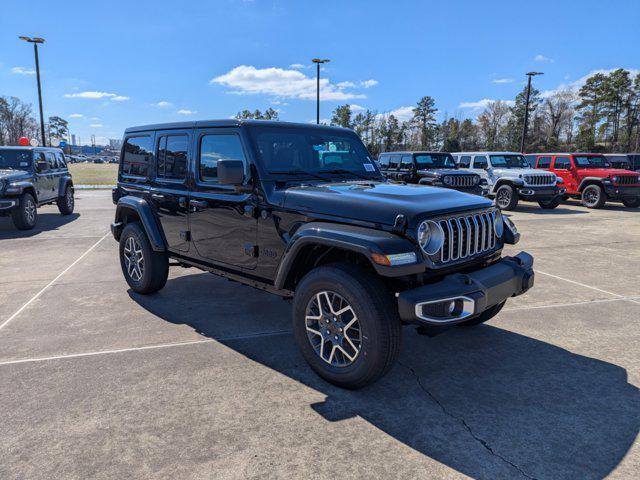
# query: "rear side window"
{"type": "Point", "coordinates": [406, 162]}
{"type": "Point", "coordinates": [464, 161]}
{"type": "Point", "coordinates": [384, 162]}
{"type": "Point", "coordinates": [214, 148]}
{"type": "Point", "coordinates": [61, 162]}
{"type": "Point", "coordinates": [51, 160]}
{"type": "Point", "coordinates": [136, 156]}
{"type": "Point", "coordinates": [480, 161]}
{"type": "Point", "coordinates": [544, 162]}
{"type": "Point", "coordinates": [172, 157]}
{"type": "Point", "coordinates": [562, 163]}
{"type": "Point", "coordinates": [394, 161]}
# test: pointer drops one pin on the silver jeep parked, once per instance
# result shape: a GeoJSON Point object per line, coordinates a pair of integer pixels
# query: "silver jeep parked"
{"type": "Point", "coordinates": [511, 179]}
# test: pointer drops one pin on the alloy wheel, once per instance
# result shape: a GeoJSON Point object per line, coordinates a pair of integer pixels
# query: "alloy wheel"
{"type": "Point", "coordinates": [333, 329]}
{"type": "Point", "coordinates": [134, 259]}
{"type": "Point", "coordinates": [591, 196]}
{"type": "Point", "coordinates": [503, 199]}
{"type": "Point", "coordinates": [30, 211]}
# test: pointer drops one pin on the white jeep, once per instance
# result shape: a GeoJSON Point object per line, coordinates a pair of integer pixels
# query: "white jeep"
{"type": "Point", "coordinates": [511, 179]}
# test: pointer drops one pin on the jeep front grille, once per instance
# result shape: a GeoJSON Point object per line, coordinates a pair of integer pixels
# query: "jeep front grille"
{"type": "Point", "coordinates": [537, 180]}
{"type": "Point", "coordinates": [466, 236]}
{"type": "Point", "coordinates": [627, 180]}
{"type": "Point", "coordinates": [464, 181]}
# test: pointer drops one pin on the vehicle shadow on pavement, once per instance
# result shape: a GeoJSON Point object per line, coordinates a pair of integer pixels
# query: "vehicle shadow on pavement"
{"type": "Point", "coordinates": [46, 222]}
{"type": "Point", "coordinates": [484, 401]}
{"type": "Point", "coordinates": [536, 210]}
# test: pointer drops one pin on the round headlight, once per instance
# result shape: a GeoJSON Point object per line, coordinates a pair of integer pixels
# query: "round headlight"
{"type": "Point", "coordinates": [430, 237]}
{"type": "Point", "coordinates": [498, 223]}
{"type": "Point", "coordinates": [447, 180]}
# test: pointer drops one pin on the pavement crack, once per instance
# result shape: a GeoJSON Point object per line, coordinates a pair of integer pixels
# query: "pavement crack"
{"type": "Point", "coordinates": [466, 426]}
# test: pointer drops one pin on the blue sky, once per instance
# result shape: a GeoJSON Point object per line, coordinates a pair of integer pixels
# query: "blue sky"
{"type": "Point", "coordinates": [111, 64]}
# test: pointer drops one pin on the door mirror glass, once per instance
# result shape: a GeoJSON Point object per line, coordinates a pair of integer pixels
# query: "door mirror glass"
{"type": "Point", "coordinates": [230, 172]}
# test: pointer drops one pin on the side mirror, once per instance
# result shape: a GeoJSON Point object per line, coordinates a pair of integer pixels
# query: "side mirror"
{"type": "Point", "coordinates": [42, 165]}
{"type": "Point", "coordinates": [230, 172]}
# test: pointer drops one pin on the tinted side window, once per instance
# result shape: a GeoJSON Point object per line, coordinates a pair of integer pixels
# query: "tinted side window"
{"type": "Point", "coordinates": [214, 148]}
{"type": "Point", "coordinates": [544, 162]}
{"type": "Point", "coordinates": [464, 161]}
{"type": "Point", "coordinates": [384, 161]}
{"type": "Point", "coordinates": [61, 162]}
{"type": "Point", "coordinates": [562, 163]}
{"type": "Point", "coordinates": [172, 157]}
{"type": "Point", "coordinates": [531, 160]}
{"type": "Point", "coordinates": [480, 161]}
{"type": "Point", "coordinates": [39, 157]}
{"type": "Point", "coordinates": [136, 156]}
{"type": "Point", "coordinates": [394, 161]}
{"type": "Point", "coordinates": [51, 160]}
{"type": "Point", "coordinates": [406, 162]}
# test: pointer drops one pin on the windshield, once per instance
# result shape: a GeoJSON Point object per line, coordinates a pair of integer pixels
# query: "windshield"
{"type": "Point", "coordinates": [15, 159]}
{"type": "Point", "coordinates": [434, 161]}
{"type": "Point", "coordinates": [508, 161]}
{"type": "Point", "coordinates": [313, 153]}
{"type": "Point", "coordinates": [590, 161]}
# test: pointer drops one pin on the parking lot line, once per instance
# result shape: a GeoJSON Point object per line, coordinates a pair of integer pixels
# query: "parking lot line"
{"type": "Point", "coordinates": [569, 304]}
{"type": "Point", "coordinates": [44, 289]}
{"type": "Point", "coordinates": [582, 284]}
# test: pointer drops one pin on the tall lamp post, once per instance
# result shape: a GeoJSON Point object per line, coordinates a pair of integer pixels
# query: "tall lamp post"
{"type": "Point", "coordinates": [36, 41]}
{"type": "Point", "coordinates": [526, 110]}
{"type": "Point", "coordinates": [318, 62]}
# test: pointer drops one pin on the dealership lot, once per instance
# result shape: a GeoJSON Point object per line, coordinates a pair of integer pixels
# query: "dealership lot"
{"type": "Point", "coordinates": [203, 379]}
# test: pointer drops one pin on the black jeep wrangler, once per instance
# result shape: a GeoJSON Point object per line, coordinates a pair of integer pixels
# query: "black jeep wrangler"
{"type": "Point", "coordinates": [261, 203]}
{"type": "Point", "coordinates": [31, 177]}
{"type": "Point", "coordinates": [437, 169]}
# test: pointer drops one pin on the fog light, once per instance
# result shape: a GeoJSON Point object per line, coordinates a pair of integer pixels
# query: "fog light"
{"type": "Point", "coordinates": [451, 307]}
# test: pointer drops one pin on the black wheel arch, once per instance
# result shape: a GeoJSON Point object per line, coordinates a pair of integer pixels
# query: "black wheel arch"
{"type": "Point", "coordinates": [586, 181]}
{"type": "Point", "coordinates": [132, 209]}
{"type": "Point", "coordinates": [65, 181]}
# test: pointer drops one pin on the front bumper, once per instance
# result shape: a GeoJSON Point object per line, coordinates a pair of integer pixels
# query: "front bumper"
{"type": "Point", "coordinates": [619, 192]}
{"type": "Point", "coordinates": [7, 204]}
{"type": "Point", "coordinates": [540, 193]}
{"type": "Point", "coordinates": [469, 294]}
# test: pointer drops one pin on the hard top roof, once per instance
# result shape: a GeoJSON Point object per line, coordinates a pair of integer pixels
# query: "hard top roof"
{"type": "Point", "coordinates": [228, 123]}
{"type": "Point", "coordinates": [408, 152]}
{"type": "Point", "coordinates": [15, 147]}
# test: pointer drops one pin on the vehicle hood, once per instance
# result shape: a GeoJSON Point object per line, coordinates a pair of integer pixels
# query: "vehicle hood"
{"type": "Point", "coordinates": [12, 175]}
{"type": "Point", "coordinates": [433, 172]}
{"type": "Point", "coordinates": [604, 172]}
{"type": "Point", "coordinates": [379, 202]}
{"type": "Point", "coordinates": [516, 172]}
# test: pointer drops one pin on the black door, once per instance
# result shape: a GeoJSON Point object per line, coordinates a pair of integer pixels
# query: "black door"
{"type": "Point", "coordinates": [168, 191]}
{"type": "Point", "coordinates": [223, 228]}
{"type": "Point", "coordinates": [43, 163]}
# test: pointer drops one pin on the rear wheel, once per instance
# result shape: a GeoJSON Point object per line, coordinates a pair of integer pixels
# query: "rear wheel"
{"type": "Point", "coordinates": [25, 215]}
{"type": "Point", "coordinates": [593, 197]}
{"type": "Point", "coordinates": [485, 316]}
{"type": "Point", "coordinates": [66, 203]}
{"type": "Point", "coordinates": [550, 204]}
{"type": "Point", "coordinates": [631, 202]}
{"type": "Point", "coordinates": [506, 198]}
{"type": "Point", "coordinates": [144, 269]}
{"type": "Point", "coordinates": [346, 325]}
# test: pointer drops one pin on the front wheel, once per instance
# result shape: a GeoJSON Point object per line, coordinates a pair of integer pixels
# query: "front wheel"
{"type": "Point", "coordinates": [346, 325]}
{"type": "Point", "coordinates": [631, 202]}
{"type": "Point", "coordinates": [506, 198]}
{"type": "Point", "coordinates": [593, 197]}
{"type": "Point", "coordinates": [144, 269]}
{"type": "Point", "coordinates": [66, 203]}
{"type": "Point", "coordinates": [25, 215]}
{"type": "Point", "coordinates": [550, 204]}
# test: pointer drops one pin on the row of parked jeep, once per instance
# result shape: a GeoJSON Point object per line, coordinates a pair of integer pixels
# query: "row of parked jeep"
{"type": "Point", "coordinates": [510, 177]}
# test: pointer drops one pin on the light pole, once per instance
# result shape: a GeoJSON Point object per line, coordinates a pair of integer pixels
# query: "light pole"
{"type": "Point", "coordinates": [36, 41]}
{"type": "Point", "coordinates": [526, 110]}
{"type": "Point", "coordinates": [318, 61]}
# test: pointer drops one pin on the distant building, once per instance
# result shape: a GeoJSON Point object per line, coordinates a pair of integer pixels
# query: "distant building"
{"type": "Point", "coordinates": [73, 139]}
{"type": "Point", "coordinates": [115, 143]}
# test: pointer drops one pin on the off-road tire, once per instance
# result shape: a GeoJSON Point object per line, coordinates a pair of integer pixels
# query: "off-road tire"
{"type": "Point", "coordinates": [550, 204]}
{"type": "Point", "coordinates": [631, 202]}
{"type": "Point", "coordinates": [485, 316]}
{"type": "Point", "coordinates": [155, 265]}
{"type": "Point", "coordinates": [25, 215]}
{"type": "Point", "coordinates": [506, 197]}
{"type": "Point", "coordinates": [593, 196]}
{"type": "Point", "coordinates": [66, 202]}
{"type": "Point", "coordinates": [375, 308]}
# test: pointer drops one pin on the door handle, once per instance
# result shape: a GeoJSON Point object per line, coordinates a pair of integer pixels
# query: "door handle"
{"type": "Point", "coordinates": [157, 196]}
{"type": "Point", "coordinates": [198, 203]}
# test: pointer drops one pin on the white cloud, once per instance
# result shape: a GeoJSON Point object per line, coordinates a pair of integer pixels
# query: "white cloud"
{"type": "Point", "coordinates": [76, 115]}
{"type": "Point", "coordinates": [96, 125]}
{"type": "Point", "coordinates": [345, 84]}
{"type": "Point", "coordinates": [356, 108]}
{"type": "Point", "coordinates": [162, 104]}
{"type": "Point", "coordinates": [542, 58]}
{"type": "Point", "coordinates": [403, 114]}
{"type": "Point", "coordinates": [95, 119]}
{"type": "Point", "coordinates": [185, 111]}
{"type": "Point", "coordinates": [369, 83]}
{"type": "Point", "coordinates": [484, 103]}
{"type": "Point", "coordinates": [299, 66]}
{"type": "Point", "coordinates": [97, 95]}
{"type": "Point", "coordinates": [575, 85]}
{"type": "Point", "coordinates": [502, 80]}
{"type": "Point", "coordinates": [23, 71]}
{"type": "Point", "coordinates": [278, 82]}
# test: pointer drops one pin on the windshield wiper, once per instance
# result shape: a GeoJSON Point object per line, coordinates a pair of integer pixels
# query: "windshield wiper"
{"type": "Point", "coordinates": [298, 173]}
{"type": "Point", "coordinates": [347, 172]}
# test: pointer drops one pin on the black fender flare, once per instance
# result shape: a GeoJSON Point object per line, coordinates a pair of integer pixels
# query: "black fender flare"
{"type": "Point", "coordinates": [362, 240]}
{"type": "Point", "coordinates": [65, 181]}
{"type": "Point", "coordinates": [590, 180]}
{"type": "Point", "coordinates": [512, 182]}
{"type": "Point", "coordinates": [24, 185]}
{"type": "Point", "coordinates": [147, 217]}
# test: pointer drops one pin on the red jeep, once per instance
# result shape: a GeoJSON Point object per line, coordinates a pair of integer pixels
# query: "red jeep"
{"type": "Point", "coordinates": [589, 176]}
